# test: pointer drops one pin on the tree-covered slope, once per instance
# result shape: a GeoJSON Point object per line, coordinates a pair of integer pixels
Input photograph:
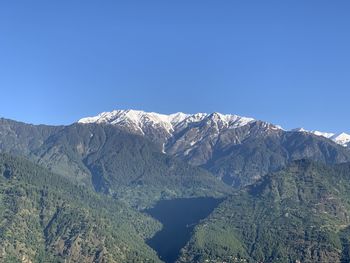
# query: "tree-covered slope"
{"type": "Point", "coordinates": [126, 166]}
{"type": "Point", "coordinates": [108, 160]}
{"type": "Point", "coordinates": [46, 218]}
{"type": "Point", "coordinates": [298, 214]}
{"type": "Point", "coordinates": [19, 138]}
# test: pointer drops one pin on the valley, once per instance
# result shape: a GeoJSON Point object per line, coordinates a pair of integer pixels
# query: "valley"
{"type": "Point", "coordinates": [179, 217]}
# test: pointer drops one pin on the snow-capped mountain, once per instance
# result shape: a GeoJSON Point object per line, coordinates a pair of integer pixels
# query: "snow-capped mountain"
{"type": "Point", "coordinates": [161, 127]}
{"type": "Point", "coordinates": [239, 150]}
{"type": "Point", "coordinates": [193, 137]}
{"type": "Point", "coordinates": [340, 138]}
{"type": "Point", "coordinates": [141, 119]}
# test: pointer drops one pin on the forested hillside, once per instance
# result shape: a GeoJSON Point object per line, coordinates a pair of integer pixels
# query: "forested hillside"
{"type": "Point", "coordinates": [45, 218]}
{"type": "Point", "coordinates": [109, 160]}
{"type": "Point", "coordinates": [301, 214]}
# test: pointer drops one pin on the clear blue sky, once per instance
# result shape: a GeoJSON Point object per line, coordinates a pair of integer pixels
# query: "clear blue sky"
{"type": "Point", "coordinates": [287, 62]}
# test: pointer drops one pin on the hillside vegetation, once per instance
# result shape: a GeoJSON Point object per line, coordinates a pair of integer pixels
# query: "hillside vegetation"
{"type": "Point", "coordinates": [298, 214]}
{"type": "Point", "coordinates": [45, 218]}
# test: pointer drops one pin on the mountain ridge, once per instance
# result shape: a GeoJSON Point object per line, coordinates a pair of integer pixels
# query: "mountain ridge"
{"type": "Point", "coordinates": [237, 151]}
{"type": "Point", "coordinates": [341, 138]}
{"type": "Point", "coordinates": [139, 120]}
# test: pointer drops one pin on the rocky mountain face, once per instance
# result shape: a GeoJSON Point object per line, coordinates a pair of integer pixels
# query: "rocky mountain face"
{"type": "Point", "coordinates": [159, 127]}
{"type": "Point", "coordinates": [238, 150]}
{"type": "Point", "coordinates": [162, 127]}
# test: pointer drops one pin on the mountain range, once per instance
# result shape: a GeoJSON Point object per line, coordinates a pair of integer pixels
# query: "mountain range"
{"type": "Point", "coordinates": [216, 141]}
{"type": "Point", "coordinates": [78, 193]}
{"type": "Point", "coordinates": [146, 123]}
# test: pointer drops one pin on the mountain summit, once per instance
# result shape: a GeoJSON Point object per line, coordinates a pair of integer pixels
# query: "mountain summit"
{"type": "Point", "coordinates": [144, 123]}
{"type": "Point", "coordinates": [184, 130]}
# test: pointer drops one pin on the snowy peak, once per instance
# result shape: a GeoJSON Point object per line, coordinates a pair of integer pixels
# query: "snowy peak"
{"type": "Point", "coordinates": [299, 130]}
{"type": "Point", "coordinates": [178, 132]}
{"type": "Point", "coordinates": [134, 116]}
{"type": "Point", "coordinates": [324, 134]}
{"type": "Point", "coordinates": [137, 119]}
{"type": "Point", "coordinates": [176, 117]}
{"type": "Point", "coordinates": [341, 138]}
{"type": "Point", "coordinates": [228, 120]}
{"type": "Point", "coordinates": [140, 120]}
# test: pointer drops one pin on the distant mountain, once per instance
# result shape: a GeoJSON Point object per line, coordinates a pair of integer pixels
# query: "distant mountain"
{"type": "Point", "coordinates": [339, 138]}
{"type": "Point", "coordinates": [342, 139]}
{"type": "Point", "coordinates": [237, 149]}
{"type": "Point", "coordinates": [300, 214]}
